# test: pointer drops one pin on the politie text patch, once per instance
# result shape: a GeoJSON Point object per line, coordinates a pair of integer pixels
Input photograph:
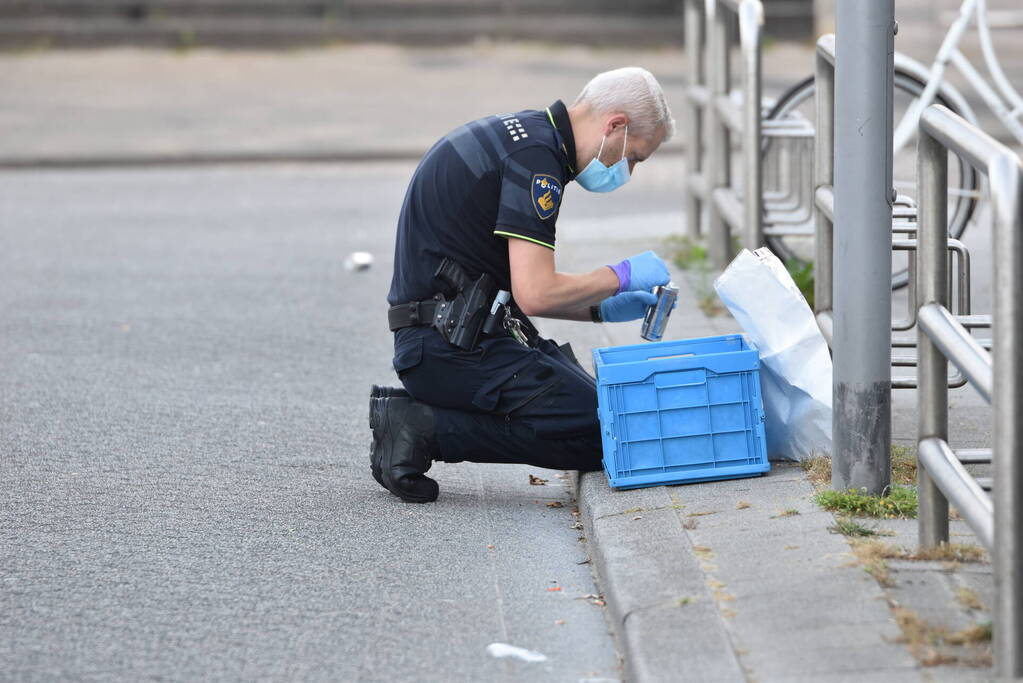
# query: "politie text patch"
{"type": "Point", "coordinates": [546, 193]}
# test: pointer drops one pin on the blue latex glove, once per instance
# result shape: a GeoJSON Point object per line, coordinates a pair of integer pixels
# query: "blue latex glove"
{"type": "Point", "coordinates": [641, 272]}
{"type": "Point", "coordinates": [626, 306]}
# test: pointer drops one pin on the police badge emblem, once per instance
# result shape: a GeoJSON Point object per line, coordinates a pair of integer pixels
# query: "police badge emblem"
{"type": "Point", "coordinates": [546, 193]}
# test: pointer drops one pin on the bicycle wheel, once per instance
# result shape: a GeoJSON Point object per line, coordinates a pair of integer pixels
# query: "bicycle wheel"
{"type": "Point", "coordinates": [963, 179]}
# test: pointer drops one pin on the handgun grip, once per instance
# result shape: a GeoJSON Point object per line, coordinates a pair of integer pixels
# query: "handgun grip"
{"type": "Point", "coordinates": [452, 275]}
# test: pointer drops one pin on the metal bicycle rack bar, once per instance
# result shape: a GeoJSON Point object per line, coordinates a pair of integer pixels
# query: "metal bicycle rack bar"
{"type": "Point", "coordinates": [941, 338]}
{"type": "Point", "coordinates": [726, 210]}
{"type": "Point", "coordinates": [711, 187]}
{"type": "Point", "coordinates": [823, 183]}
{"type": "Point", "coordinates": [788, 166]}
{"type": "Point", "coordinates": [695, 102]}
{"type": "Point", "coordinates": [904, 217]}
{"type": "Point", "coordinates": [711, 109]}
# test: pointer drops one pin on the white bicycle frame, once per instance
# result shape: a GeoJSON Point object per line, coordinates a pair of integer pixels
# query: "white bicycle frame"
{"type": "Point", "coordinates": [1002, 99]}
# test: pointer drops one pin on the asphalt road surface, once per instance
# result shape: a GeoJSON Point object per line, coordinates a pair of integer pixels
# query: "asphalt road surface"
{"type": "Point", "coordinates": [184, 370]}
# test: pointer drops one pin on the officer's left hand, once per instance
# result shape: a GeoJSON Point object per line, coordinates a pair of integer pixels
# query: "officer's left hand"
{"type": "Point", "coordinates": [626, 306]}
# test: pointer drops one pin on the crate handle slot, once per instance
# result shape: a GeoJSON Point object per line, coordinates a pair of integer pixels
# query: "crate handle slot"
{"type": "Point", "coordinates": [674, 355]}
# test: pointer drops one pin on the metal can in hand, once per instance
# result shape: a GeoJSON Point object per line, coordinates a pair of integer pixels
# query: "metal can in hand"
{"type": "Point", "coordinates": [657, 315]}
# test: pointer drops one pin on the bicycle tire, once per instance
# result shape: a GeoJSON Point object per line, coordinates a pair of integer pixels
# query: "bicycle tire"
{"type": "Point", "coordinates": [969, 181]}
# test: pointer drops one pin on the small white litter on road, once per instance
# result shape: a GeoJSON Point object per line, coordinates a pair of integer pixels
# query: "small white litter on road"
{"type": "Point", "coordinates": [359, 260]}
{"type": "Point", "coordinates": [505, 650]}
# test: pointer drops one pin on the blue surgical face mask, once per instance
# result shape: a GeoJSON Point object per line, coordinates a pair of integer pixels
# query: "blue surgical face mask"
{"type": "Point", "coordinates": [597, 177]}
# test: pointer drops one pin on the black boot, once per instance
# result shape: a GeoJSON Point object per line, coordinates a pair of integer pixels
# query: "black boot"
{"type": "Point", "coordinates": [387, 392]}
{"type": "Point", "coordinates": [403, 448]}
{"type": "Point", "coordinates": [374, 466]}
{"type": "Point", "coordinates": [377, 392]}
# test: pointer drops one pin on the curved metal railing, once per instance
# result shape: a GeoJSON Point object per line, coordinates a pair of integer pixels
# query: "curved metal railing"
{"type": "Point", "coordinates": [997, 376]}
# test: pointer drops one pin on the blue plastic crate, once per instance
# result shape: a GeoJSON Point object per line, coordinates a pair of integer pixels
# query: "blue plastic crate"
{"type": "Point", "coordinates": [680, 411]}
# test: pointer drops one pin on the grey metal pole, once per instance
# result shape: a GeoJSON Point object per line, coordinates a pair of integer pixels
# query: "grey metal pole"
{"type": "Point", "coordinates": [751, 22]}
{"type": "Point", "coordinates": [694, 144]}
{"type": "Point", "coordinates": [1006, 182]}
{"type": "Point", "coordinates": [932, 366]}
{"type": "Point", "coordinates": [719, 143]}
{"type": "Point", "coordinates": [863, 242]}
{"type": "Point", "coordinates": [824, 172]}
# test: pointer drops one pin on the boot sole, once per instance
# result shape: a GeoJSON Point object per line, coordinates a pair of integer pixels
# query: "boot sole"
{"type": "Point", "coordinates": [377, 391]}
{"type": "Point", "coordinates": [374, 393]}
{"type": "Point", "coordinates": [374, 420]}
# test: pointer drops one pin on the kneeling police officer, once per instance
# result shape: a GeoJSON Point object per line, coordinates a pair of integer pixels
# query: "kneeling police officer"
{"type": "Point", "coordinates": [475, 256]}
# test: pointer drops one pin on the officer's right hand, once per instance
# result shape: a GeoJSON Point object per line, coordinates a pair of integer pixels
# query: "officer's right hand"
{"type": "Point", "coordinates": [641, 273]}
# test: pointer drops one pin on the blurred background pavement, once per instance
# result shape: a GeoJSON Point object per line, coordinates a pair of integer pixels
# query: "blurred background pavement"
{"type": "Point", "coordinates": [185, 360]}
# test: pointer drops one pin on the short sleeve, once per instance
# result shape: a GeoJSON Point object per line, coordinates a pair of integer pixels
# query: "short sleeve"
{"type": "Point", "coordinates": [531, 187]}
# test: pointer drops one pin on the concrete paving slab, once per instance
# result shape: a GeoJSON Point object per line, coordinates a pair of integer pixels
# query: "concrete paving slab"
{"type": "Point", "coordinates": [829, 578]}
{"type": "Point", "coordinates": [821, 660]}
{"type": "Point", "coordinates": [815, 610]}
{"type": "Point", "coordinates": [954, 674]}
{"type": "Point", "coordinates": [891, 675]}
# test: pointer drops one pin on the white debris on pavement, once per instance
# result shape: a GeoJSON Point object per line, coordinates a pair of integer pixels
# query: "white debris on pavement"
{"type": "Point", "coordinates": [505, 650]}
{"type": "Point", "coordinates": [359, 260]}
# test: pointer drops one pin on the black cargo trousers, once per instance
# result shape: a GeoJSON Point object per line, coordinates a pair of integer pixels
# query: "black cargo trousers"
{"type": "Point", "coordinates": [503, 402]}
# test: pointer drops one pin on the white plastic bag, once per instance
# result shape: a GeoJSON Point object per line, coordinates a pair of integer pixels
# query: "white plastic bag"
{"type": "Point", "coordinates": [795, 364]}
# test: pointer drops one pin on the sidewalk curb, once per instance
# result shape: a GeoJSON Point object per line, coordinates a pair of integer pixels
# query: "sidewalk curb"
{"type": "Point", "coordinates": [209, 159]}
{"type": "Point", "coordinates": [193, 158]}
{"type": "Point", "coordinates": [653, 585]}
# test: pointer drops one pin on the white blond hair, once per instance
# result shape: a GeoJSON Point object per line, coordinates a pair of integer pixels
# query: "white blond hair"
{"type": "Point", "coordinates": [634, 92]}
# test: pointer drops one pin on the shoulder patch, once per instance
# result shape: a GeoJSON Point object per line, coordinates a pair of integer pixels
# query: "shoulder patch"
{"type": "Point", "coordinates": [546, 193]}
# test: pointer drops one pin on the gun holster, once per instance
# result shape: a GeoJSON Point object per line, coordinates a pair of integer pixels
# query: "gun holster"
{"type": "Point", "coordinates": [457, 313]}
{"type": "Point", "coordinates": [460, 321]}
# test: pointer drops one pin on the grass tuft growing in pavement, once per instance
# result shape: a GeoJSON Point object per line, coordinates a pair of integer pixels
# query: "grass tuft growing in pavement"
{"type": "Point", "coordinates": [691, 255]}
{"type": "Point", "coordinates": [900, 503]}
{"type": "Point", "coordinates": [685, 252]}
{"type": "Point", "coordinates": [978, 633]}
{"type": "Point", "coordinates": [818, 471]}
{"type": "Point", "coordinates": [874, 554]}
{"type": "Point", "coordinates": [950, 552]}
{"type": "Point", "coordinates": [958, 552]}
{"type": "Point", "coordinates": [850, 527]}
{"type": "Point", "coordinates": [968, 598]}
{"type": "Point", "coordinates": [903, 465]}
{"type": "Point", "coordinates": [818, 467]}
{"type": "Point", "coordinates": [802, 274]}
{"type": "Point", "coordinates": [929, 643]}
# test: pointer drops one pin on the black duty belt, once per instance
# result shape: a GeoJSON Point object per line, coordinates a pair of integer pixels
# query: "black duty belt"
{"type": "Point", "coordinates": [436, 313]}
{"type": "Point", "coordinates": [464, 310]}
{"type": "Point", "coordinates": [416, 314]}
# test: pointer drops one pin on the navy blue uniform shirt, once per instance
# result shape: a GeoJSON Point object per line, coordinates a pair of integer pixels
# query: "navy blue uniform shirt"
{"type": "Point", "coordinates": [501, 177]}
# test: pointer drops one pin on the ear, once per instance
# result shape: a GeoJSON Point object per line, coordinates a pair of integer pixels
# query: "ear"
{"type": "Point", "coordinates": [614, 122]}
